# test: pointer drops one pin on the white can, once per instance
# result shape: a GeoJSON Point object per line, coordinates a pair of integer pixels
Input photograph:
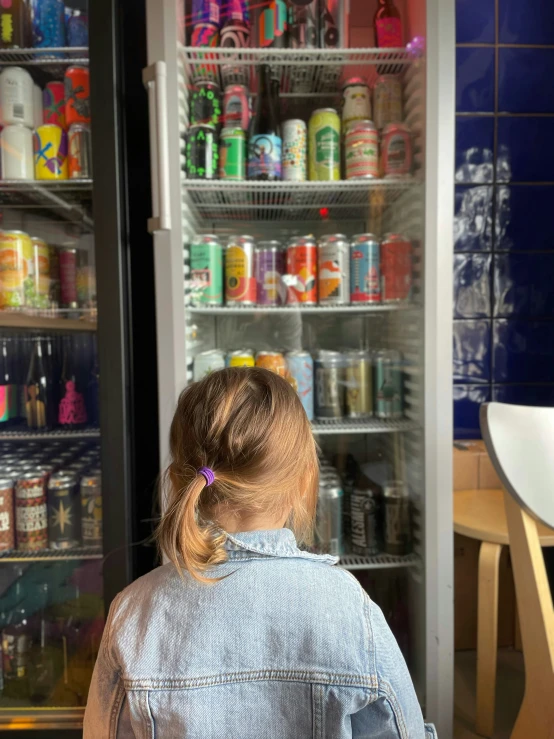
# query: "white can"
{"type": "Point", "coordinates": [37, 106]}
{"type": "Point", "coordinates": [16, 144]}
{"type": "Point", "coordinates": [387, 100]}
{"type": "Point", "coordinates": [295, 149]}
{"type": "Point", "coordinates": [16, 97]}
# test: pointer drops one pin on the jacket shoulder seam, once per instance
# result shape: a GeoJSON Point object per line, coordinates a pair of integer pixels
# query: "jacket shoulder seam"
{"type": "Point", "coordinates": [386, 690]}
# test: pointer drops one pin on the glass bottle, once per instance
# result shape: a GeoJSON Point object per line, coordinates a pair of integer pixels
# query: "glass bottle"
{"type": "Point", "coordinates": [264, 146]}
{"type": "Point", "coordinates": [8, 388]}
{"type": "Point", "coordinates": [93, 388]}
{"type": "Point", "coordinates": [16, 644]}
{"type": "Point", "coordinates": [72, 413]}
{"type": "Point", "coordinates": [46, 661]}
{"type": "Point", "coordinates": [388, 25]}
{"type": "Point", "coordinates": [76, 650]}
{"type": "Point", "coordinates": [39, 405]}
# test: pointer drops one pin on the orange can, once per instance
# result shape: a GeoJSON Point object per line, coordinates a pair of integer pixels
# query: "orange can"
{"type": "Point", "coordinates": [77, 95]}
{"type": "Point", "coordinates": [16, 265]}
{"type": "Point", "coordinates": [273, 361]}
{"type": "Point", "coordinates": [301, 276]}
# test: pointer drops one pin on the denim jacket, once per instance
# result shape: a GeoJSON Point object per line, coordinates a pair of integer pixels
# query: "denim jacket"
{"type": "Point", "coordinates": [286, 647]}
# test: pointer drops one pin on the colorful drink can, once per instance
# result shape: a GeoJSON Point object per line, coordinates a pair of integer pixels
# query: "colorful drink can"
{"type": "Point", "coordinates": [91, 510]}
{"type": "Point", "coordinates": [301, 376]}
{"type": "Point", "coordinates": [38, 112]}
{"type": "Point", "coordinates": [31, 519]}
{"type": "Point", "coordinates": [206, 11]}
{"type": "Point", "coordinates": [53, 98]}
{"type": "Point", "coordinates": [80, 151]}
{"type": "Point", "coordinates": [76, 28]}
{"type": "Point", "coordinates": [334, 270]}
{"type": "Point", "coordinates": [240, 277]}
{"type": "Point", "coordinates": [324, 145]}
{"type": "Point", "coordinates": [389, 384]}
{"type": "Point", "coordinates": [77, 95]}
{"type": "Point", "coordinates": [207, 362]}
{"type": "Point", "coordinates": [236, 110]}
{"type": "Point", "coordinates": [240, 358]}
{"type": "Point", "coordinates": [356, 101]}
{"type": "Point", "coordinates": [387, 100]}
{"type": "Point", "coordinates": [361, 150]}
{"type": "Point", "coordinates": [14, 22]}
{"type": "Point", "coordinates": [396, 269]}
{"type": "Point", "coordinates": [40, 297]}
{"type": "Point", "coordinates": [64, 515]}
{"type": "Point", "coordinates": [232, 154]}
{"type": "Point", "coordinates": [48, 25]}
{"type": "Point", "coordinates": [264, 157]}
{"type": "Point", "coordinates": [334, 24]}
{"type": "Point", "coordinates": [50, 144]}
{"type": "Point", "coordinates": [328, 526]}
{"type": "Point", "coordinates": [396, 151]}
{"type": "Point", "coordinates": [270, 268]}
{"type": "Point", "coordinates": [68, 277]}
{"type": "Point", "coordinates": [201, 153]}
{"type": "Point", "coordinates": [304, 25]}
{"type": "Point", "coordinates": [397, 518]}
{"type": "Point", "coordinates": [329, 380]}
{"type": "Point", "coordinates": [7, 524]}
{"type": "Point", "coordinates": [206, 270]}
{"type": "Point", "coordinates": [365, 274]}
{"type": "Point", "coordinates": [206, 106]}
{"type": "Point", "coordinates": [273, 361]}
{"type": "Point", "coordinates": [205, 35]}
{"type": "Point", "coordinates": [16, 97]}
{"type": "Point", "coordinates": [359, 384]}
{"type": "Point", "coordinates": [364, 529]}
{"type": "Point", "coordinates": [301, 277]}
{"type": "Point", "coordinates": [295, 149]}
{"type": "Point", "coordinates": [16, 153]}
{"type": "Point", "coordinates": [15, 268]}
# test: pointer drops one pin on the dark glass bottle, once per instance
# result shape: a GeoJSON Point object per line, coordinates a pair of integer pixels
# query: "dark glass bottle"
{"type": "Point", "coordinates": [39, 401]}
{"type": "Point", "coordinates": [264, 146]}
{"type": "Point", "coordinates": [8, 387]}
{"type": "Point", "coordinates": [78, 664]}
{"type": "Point", "coordinates": [72, 413]}
{"type": "Point", "coordinates": [16, 645]}
{"type": "Point", "coordinates": [46, 663]}
{"type": "Point", "coordinates": [388, 25]}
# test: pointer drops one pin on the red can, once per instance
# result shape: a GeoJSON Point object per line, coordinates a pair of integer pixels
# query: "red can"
{"type": "Point", "coordinates": [77, 95]}
{"type": "Point", "coordinates": [53, 98]}
{"type": "Point", "coordinates": [273, 361]}
{"type": "Point", "coordinates": [236, 109]}
{"type": "Point", "coordinates": [7, 531]}
{"type": "Point", "coordinates": [301, 277]}
{"type": "Point", "coordinates": [396, 269]}
{"type": "Point", "coordinates": [68, 277]}
{"type": "Point", "coordinates": [31, 521]}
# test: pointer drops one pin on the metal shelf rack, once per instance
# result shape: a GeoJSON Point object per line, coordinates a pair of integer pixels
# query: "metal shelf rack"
{"type": "Point", "coordinates": [377, 562]}
{"type": "Point", "coordinates": [41, 321]}
{"type": "Point", "coordinates": [51, 555]}
{"type": "Point", "coordinates": [362, 426]}
{"type": "Point", "coordinates": [45, 59]}
{"type": "Point", "coordinates": [237, 310]}
{"type": "Point", "coordinates": [54, 435]}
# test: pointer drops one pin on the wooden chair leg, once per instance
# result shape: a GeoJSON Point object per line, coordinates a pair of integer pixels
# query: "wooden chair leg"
{"type": "Point", "coordinates": [517, 632]}
{"type": "Point", "coordinates": [487, 637]}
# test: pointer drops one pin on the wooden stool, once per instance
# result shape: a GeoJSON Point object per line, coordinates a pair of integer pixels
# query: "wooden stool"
{"type": "Point", "coordinates": [480, 514]}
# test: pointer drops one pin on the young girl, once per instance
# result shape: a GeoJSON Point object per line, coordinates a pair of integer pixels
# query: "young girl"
{"type": "Point", "coordinates": [243, 635]}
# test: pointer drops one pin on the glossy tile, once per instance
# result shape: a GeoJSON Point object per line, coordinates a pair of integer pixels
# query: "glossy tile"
{"type": "Point", "coordinates": [540, 395]}
{"type": "Point", "coordinates": [467, 401]}
{"type": "Point", "coordinates": [472, 351]}
{"type": "Point", "coordinates": [474, 79]}
{"type": "Point", "coordinates": [474, 149]}
{"type": "Point", "coordinates": [475, 21]}
{"type": "Point", "coordinates": [525, 150]}
{"type": "Point", "coordinates": [526, 22]}
{"type": "Point", "coordinates": [472, 294]}
{"type": "Point", "coordinates": [525, 80]}
{"type": "Point", "coordinates": [523, 351]}
{"type": "Point", "coordinates": [473, 218]}
{"type": "Point", "coordinates": [524, 218]}
{"type": "Point", "coordinates": [523, 286]}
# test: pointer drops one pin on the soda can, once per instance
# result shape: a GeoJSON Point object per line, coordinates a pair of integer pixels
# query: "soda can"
{"type": "Point", "coordinates": [48, 17]}
{"type": "Point", "coordinates": [63, 511]}
{"type": "Point", "coordinates": [295, 149]}
{"type": "Point", "coordinates": [77, 95]}
{"type": "Point", "coordinates": [329, 385]}
{"type": "Point", "coordinates": [270, 25]}
{"type": "Point", "coordinates": [304, 22]}
{"type": "Point", "coordinates": [201, 153]}
{"type": "Point", "coordinates": [334, 270]}
{"type": "Point", "coordinates": [50, 145]}
{"type": "Point", "coordinates": [41, 273]}
{"type": "Point", "coordinates": [301, 277]}
{"type": "Point", "coordinates": [397, 524]}
{"type": "Point", "coordinates": [205, 35]}
{"type": "Point", "coordinates": [361, 151]}
{"type": "Point", "coordinates": [235, 34]}
{"type": "Point", "coordinates": [363, 518]}
{"type": "Point", "coordinates": [232, 154]}
{"type": "Point", "coordinates": [396, 151]}
{"type": "Point", "coordinates": [7, 524]}
{"type": "Point", "coordinates": [324, 145]}
{"type": "Point", "coordinates": [15, 264]}
{"type": "Point", "coordinates": [264, 157]}
{"type": "Point", "coordinates": [240, 277]}
{"type": "Point", "coordinates": [16, 97]}
{"type": "Point", "coordinates": [14, 22]}
{"type": "Point", "coordinates": [207, 362]}
{"type": "Point", "coordinates": [240, 358]}
{"type": "Point", "coordinates": [86, 281]}
{"type": "Point", "coordinates": [236, 109]}
{"type": "Point", "coordinates": [273, 361]}
{"type": "Point", "coordinates": [206, 270]}
{"type": "Point", "coordinates": [301, 376]}
{"type": "Point", "coordinates": [359, 384]}
{"type": "Point", "coordinates": [91, 510]}
{"type": "Point", "coordinates": [38, 112]}
{"type": "Point", "coordinates": [76, 27]}
{"type": "Point", "coordinates": [356, 100]}
{"type": "Point", "coordinates": [31, 519]}
{"type": "Point", "coordinates": [389, 384]}
{"type": "Point", "coordinates": [387, 100]}
{"type": "Point", "coordinates": [334, 24]}
{"type": "Point", "coordinates": [396, 269]}
{"type": "Point", "coordinates": [55, 286]}
{"type": "Point", "coordinates": [206, 11]}
{"type": "Point", "coordinates": [80, 151]}
{"type": "Point", "coordinates": [365, 270]}
{"type": "Point", "coordinates": [68, 277]}
{"type": "Point", "coordinates": [270, 268]}
{"type": "Point", "coordinates": [328, 527]}
{"type": "Point", "coordinates": [16, 153]}
{"type": "Point", "coordinates": [53, 98]}
{"type": "Point", "coordinates": [206, 105]}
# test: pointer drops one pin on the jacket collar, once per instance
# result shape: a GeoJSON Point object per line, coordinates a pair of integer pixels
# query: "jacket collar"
{"type": "Point", "coordinates": [274, 543]}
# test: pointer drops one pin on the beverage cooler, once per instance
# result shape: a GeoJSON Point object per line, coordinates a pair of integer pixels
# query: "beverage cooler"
{"type": "Point", "coordinates": [302, 159]}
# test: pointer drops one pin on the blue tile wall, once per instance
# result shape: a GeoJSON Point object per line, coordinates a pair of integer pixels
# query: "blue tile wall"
{"type": "Point", "coordinates": [503, 306]}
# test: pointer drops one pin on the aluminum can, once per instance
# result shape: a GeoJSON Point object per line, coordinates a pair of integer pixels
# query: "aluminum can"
{"type": "Point", "coordinates": [397, 519]}
{"type": "Point", "coordinates": [273, 361]}
{"type": "Point", "coordinates": [16, 251]}
{"type": "Point", "coordinates": [68, 277]}
{"type": "Point", "coordinates": [50, 146]}
{"type": "Point", "coordinates": [53, 98]}
{"type": "Point", "coordinates": [16, 97]}
{"type": "Point", "coordinates": [48, 26]}
{"type": "Point", "coordinates": [91, 510]}
{"type": "Point", "coordinates": [387, 100]}
{"type": "Point", "coordinates": [236, 108]}
{"type": "Point", "coordinates": [295, 149]}
{"type": "Point", "coordinates": [329, 380]}
{"type": "Point", "coordinates": [14, 22]}
{"type": "Point", "coordinates": [264, 157]}
{"type": "Point", "coordinates": [365, 271]}
{"type": "Point", "coordinates": [55, 286]}
{"type": "Point", "coordinates": [64, 515]}
{"type": "Point", "coordinates": [16, 153]}
{"type": "Point", "coordinates": [270, 24]}
{"type": "Point", "coordinates": [7, 525]}
{"type": "Point", "coordinates": [86, 282]}
{"type": "Point", "coordinates": [301, 278]}
{"type": "Point", "coordinates": [206, 270]}
{"type": "Point", "coordinates": [359, 384]}
{"type": "Point", "coordinates": [205, 35]}
{"type": "Point", "coordinates": [334, 24]}
{"type": "Point", "coordinates": [388, 383]}
{"type": "Point", "coordinates": [356, 101]}
{"type": "Point", "coordinates": [207, 362]}
{"type": "Point", "coordinates": [40, 296]}
{"type": "Point", "coordinates": [324, 145]}
{"type": "Point", "coordinates": [364, 529]}
{"type": "Point", "coordinates": [77, 28]}
{"type": "Point", "coordinates": [396, 269]}
{"type": "Point", "coordinates": [206, 11]}
{"type": "Point", "coordinates": [31, 520]}
{"type": "Point", "coordinates": [396, 151]}
{"type": "Point", "coordinates": [240, 275]}
{"type": "Point", "coordinates": [270, 268]}
{"type": "Point", "coordinates": [38, 112]}
{"type": "Point", "coordinates": [301, 376]}
{"type": "Point", "coordinates": [328, 528]}
{"type": "Point", "coordinates": [206, 105]}
{"type": "Point", "coordinates": [232, 154]}
{"type": "Point", "coordinates": [240, 358]}
{"type": "Point", "coordinates": [201, 153]}
{"type": "Point", "coordinates": [80, 151]}
{"type": "Point", "coordinates": [235, 34]}
{"type": "Point", "coordinates": [361, 151]}
{"type": "Point", "coordinates": [334, 270]}
{"type": "Point", "coordinates": [77, 95]}
{"type": "Point", "coordinates": [304, 22]}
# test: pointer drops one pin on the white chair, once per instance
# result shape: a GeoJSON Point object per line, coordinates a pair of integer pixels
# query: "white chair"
{"type": "Point", "coordinates": [520, 442]}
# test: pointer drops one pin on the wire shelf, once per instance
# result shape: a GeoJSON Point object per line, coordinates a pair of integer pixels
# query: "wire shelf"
{"type": "Point", "coordinates": [235, 310]}
{"type": "Point", "coordinates": [362, 426]}
{"type": "Point", "coordinates": [49, 555]}
{"type": "Point", "coordinates": [29, 435]}
{"type": "Point", "coordinates": [70, 199]}
{"type": "Point", "coordinates": [54, 320]}
{"type": "Point", "coordinates": [59, 56]}
{"type": "Point", "coordinates": [377, 562]}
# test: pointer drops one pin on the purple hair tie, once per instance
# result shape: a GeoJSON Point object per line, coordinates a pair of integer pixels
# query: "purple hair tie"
{"type": "Point", "coordinates": [208, 475]}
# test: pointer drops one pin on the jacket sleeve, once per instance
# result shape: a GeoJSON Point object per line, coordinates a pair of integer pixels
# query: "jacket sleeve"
{"type": "Point", "coordinates": [393, 711]}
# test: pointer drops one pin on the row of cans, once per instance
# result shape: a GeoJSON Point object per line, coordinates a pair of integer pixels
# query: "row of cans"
{"type": "Point", "coordinates": [42, 24]}
{"type": "Point", "coordinates": [331, 271]}
{"type": "Point", "coordinates": [331, 385]}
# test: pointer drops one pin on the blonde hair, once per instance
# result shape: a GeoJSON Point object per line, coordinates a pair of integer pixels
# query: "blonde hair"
{"type": "Point", "coordinates": [248, 425]}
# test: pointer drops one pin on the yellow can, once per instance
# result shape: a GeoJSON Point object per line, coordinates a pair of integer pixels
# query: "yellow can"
{"type": "Point", "coordinates": [240, 358]}
{"type": "Point", "coordinates": [40, 296]}
{"type": "Point", "coordinates": [324, 145]}
{"type": "Point", "coordinates": [16, 263]}
{"type": "Point", "coordinates": [50, 144]}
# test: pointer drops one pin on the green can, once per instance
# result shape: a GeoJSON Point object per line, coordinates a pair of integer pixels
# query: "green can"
{"type": "Point", "coordinates": [324, 144]}
{"type": "Point", "coordinates": [232, 154]}
{"type": "Point", "coordinates": [206, 270]}
{"type": "Point", "coordinates": [389, 384]}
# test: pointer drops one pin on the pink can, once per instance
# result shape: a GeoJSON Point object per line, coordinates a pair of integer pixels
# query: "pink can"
{"type": "Point", "coordinates": [396, 151]}
{"type": "Point", "coordinates": [361, 150]}
{"type": "Point", "coordinates": [68, 277]}
{"type": "Point", "coordinates": [236, 108]}
{"type": "Point", "coordinates": [54, 103]}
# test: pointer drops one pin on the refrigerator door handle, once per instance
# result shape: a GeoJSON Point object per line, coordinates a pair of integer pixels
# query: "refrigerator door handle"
{"type": "Point", "coordinates": [154, 78]}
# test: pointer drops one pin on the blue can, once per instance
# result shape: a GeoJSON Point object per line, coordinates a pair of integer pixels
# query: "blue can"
{"type": "Point", "coordinates": [301, 370]}
{"type": "Point", "coordinates": [48, 25]}
{"type": "Point", "coordinates": [365, 269]}
{"type": "Point", "coordinates": [76, 27]}
{"type": "Point", "coordinates": [206, 11]}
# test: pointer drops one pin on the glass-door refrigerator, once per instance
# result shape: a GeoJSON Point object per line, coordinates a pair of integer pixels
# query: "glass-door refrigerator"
{"type": "Point", "coordinates": [302, 160]}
